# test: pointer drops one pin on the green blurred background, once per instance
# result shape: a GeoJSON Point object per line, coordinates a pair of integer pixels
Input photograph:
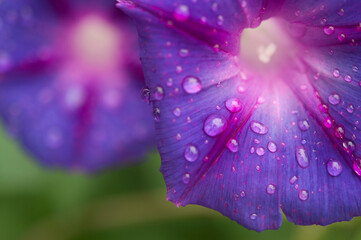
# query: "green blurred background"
{"type": "Point", "coordinates": [118, 204]}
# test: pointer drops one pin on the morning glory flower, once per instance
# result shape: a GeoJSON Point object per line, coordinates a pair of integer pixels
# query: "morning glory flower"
{"type": "Point", "coordinates": [70, 79]}
{"type": "Point", "coordinates": [261, 105]}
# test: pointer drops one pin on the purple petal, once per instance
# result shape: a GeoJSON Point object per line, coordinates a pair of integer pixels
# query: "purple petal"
{"type": "Point", "coordinates": [72, 103]}
{"type": "Point", "coordinates": [248, 140]}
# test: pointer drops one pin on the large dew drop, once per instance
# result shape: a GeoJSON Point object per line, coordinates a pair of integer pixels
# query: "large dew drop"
{"type": "Point", "coordinates": [232, 145]}
{"type": "Point", "coordinates": [259, 128]}
{"type": "Point", "coordinates": [302, 157]}
{"type": "Point", "coordinates": [191, 153]}
{"type": "Point", "coordinates": [181, 13]}
{"type": "Point", "coordinates": [334, 167]}
{"type": "Point", "coordinates": [192, 85]}
{"type": "Point", "coordinates": [233, 105]}
{"type": "Point", "coordinates": [303, 195]}
{"type": "Point", "coordinates": [270, 189]}
{"type": "Point", "coordinates": [214, 125]}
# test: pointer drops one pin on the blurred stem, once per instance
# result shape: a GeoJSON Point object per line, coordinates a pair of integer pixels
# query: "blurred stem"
{"type": "Point", "coordinates": [113, 212]}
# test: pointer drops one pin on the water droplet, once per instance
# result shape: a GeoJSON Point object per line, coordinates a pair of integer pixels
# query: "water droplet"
{"type": "Point", "coordinates": [220, 20]}
{"type": "Point", "coordinates": [186, 178]}
{"type": "Point", "coordinates": [348, 146]}
{"type": "Point", "coordinates": [355, 68]}
{"type": "Point", "coordinates": [334, 167]}
{"type": "Point", "coordinates": [329, 30]}
{"type": "Point", "coordinates": [259, 128]}
{"type": "Point", "coordinates": [350, 108]}
{"type": "Point", "coordinates": [170, 82]}
{"type": "Point", "coordinates": [156, 114]}
{"type": "Point", "coordinates": [191, 85]}
{"type": "Point", "coordinates": [191, 153]}
{"type": "Point", "coordinates": [177, 111]}
{"type": "Point", "coordinates": [357, 166]}
{"type": "Point", "coordinates": [339, 132]}
{"type": "Point", "coordinates": [183, 52]}
{"type": "Point", "coordinates": [271, 189]}
{"type": "Point", "coordinates": [341, 12]}
{"type": "Point", "coordinates": [334, 99]}
{"type": "Point", "coordinates": [303, 195]}
{"type": "Point", "coordinates": [347, 78]}
{"type": "Point", "coordinates": [243, 194]}
{"type": "Point", "coordinates": [303, 125]}
{"type": "Point", "coordinates": [214, 125]}
{"type": "Point", "coordinates": [145, 94]}
{"type": "Point", "coordinates": [302, 157]}
{"type": "Point", "coordinates": [336, 73]}
{"type": "Point", "coordinates": [341, 37]}
{"type": "Point", "coordinates": [235, 197]}
{"type": "Point", "coordinates": [327, 122]}
{"type": "Point", "coordinates": [158, 93]}
{"type": "Point", "coordinates": [293, 180]}
{"type": "Point", "coordinates": [253, 216]}
{"type": "Point", "coordinates": [272, 147]}
{"type": "Point", "coordinates": [181, 13]}
{"type": "Point", "coordinates": [233, 105]}
{"type": "Point", "coordinates": [260, 151]}
{"type": "Point", "coordinates": [232, 145]}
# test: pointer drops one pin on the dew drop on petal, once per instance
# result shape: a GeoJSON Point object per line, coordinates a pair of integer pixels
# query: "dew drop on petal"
{"type": "Point", "coordinates": [191, 153]}
{"type": "Point", "coordinates": [348, 146]}
{"type": "Point", "coordinates": [253, 216]}
{"type": "Point", "coordinates": [334, 99]}
{"type": "Point", "coordinates": [302, 157]}
{"type": "Point", "coordinates": [235, 197]}
{"type": "Point", "coordinates": [303, 125]}
{"type": "Point", "coordinates": [327, 122]}
{"type": "Point", "coordinates": [181, 13]}
{"type": "Point", "coordinates": [243, 194]}
{"type": "Point", "coordinates": [350, 108]}
{"type": "Point", "coordinates": [214, 125]}
{"type": "Point", "coordinates": [271, 189]}
{"type": "Point", "coordinates": [272, 147]}
{"type": "Point", "coordinates": [347, 78]}
{"type": "Point", "coordinates": [158, 93]}
{"type": "Point", "coordinates": [233, 105]}
{"type": "Point", "coordinates": [145, 94]}
{"type": "Point", "coordinates": [186, 178]}
{"type": "Point", "coordinates": [232, 145]}
{"type": "Point", "coordinates": [220, 20]}
{"type": "Point", "coordinates": [191, 85]}
{"type": "Point", "coordinates": [357, 166]}
{"type": "Point", "coordinates": [183, 52]}
{"type": "Point", "coordinates": [260, 151]}
{"type": "Point", "coordinates": [177, 111]}
{"type": "Point", "coordinates": [329, 30]}
{"type": "Point", "coordinates": [336, 73]}
{"type": "Point", "coordinates": [259, 128]}
{"type": "Point", "coordinates": [334, 167]}
{"type": "Point", "coordinates": [293, 180]}
{"type": "Point", "coordinates": [156, 114]}
{"type": "Point", "coordinates": [303, 195]}
{"type": "Point", "coordinates": [339, 132]}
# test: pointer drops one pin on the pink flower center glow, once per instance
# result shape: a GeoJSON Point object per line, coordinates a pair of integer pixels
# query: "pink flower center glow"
{"type": "Point", "coordinates": [94, 44]}
{"type": "Point", "coordinates": [269, 48]}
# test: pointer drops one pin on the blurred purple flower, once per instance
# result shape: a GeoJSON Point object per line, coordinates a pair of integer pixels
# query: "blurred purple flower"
{"type": "Point", "coordinates": [70, 79]}
{"type": "Point", "coordinates": [255, 121]}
